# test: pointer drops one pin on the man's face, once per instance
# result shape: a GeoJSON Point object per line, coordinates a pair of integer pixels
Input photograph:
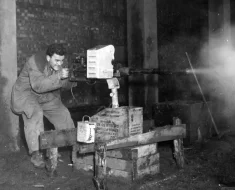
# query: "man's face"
{"type": "Point", "coordinates": [55, 61]}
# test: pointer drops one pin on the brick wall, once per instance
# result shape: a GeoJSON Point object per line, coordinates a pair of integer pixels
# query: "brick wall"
{"type": "Point", "coordinates": [80, 24]}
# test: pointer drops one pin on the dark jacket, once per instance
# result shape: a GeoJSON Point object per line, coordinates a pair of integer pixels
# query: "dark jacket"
{"type": "Point", "coordinates": [36, 83]}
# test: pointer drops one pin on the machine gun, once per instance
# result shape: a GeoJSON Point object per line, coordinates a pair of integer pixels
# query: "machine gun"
{"type": "Point", "coordinates": [79, 71]}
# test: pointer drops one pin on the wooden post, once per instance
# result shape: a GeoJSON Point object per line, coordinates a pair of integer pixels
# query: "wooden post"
{"type": "Point", "coordinates": [179, 152]}
{"type": "Point", "coordinates": [52, 161]}
{"type": "Point", "coordinates": [142, 51]}
{"type": "Point", "coordinates": [178, 147]}
{"type": "Point", "coordinates": [100, 177]}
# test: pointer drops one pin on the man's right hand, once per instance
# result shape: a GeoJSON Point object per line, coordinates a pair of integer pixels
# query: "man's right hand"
{"type": "Point", "coordinates": [64, 73]}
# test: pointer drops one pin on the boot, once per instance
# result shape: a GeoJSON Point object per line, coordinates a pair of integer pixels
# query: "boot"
{"type": "Point", "coordinates": [37, 160]}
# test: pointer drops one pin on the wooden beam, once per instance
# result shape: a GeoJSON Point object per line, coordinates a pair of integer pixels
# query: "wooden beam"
{"type": "Point", "coordinates": [68, 137]}
{"type": "Point", "coordinates": [165, 133]}
{"type": "Point", "coordinates": [58, 138]}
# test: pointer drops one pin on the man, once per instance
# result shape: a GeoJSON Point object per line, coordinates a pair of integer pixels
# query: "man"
{"type": "Point", "coordinates": [36, 93]}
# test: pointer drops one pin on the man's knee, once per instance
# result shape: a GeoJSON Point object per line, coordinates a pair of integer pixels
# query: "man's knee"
{"type": "Point", "coordinates": [37, 116]}
{"type": "Point", "coordinates": [35, 121]}
{"type": "Point", "coordinates": [62, 120]}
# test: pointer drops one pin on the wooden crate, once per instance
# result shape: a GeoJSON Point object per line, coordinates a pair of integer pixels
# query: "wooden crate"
{"type": "Point", "coordinates": [83, 162]}
{"type": "Point", "coordinates": [133, 163]}
{"type": "Point", "coordinates": [113, 123]}
{"type": "Point", "coordinates": [129, 163]}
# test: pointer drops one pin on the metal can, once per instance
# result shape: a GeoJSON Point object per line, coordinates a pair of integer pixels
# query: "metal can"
{"type": "Point", "coordinates": [86, 131]}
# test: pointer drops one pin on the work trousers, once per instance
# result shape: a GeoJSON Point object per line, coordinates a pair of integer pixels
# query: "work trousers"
{"type": "Point", "coordinates": [54, 111]}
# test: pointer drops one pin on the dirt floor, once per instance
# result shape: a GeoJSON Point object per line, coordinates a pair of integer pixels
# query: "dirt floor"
{"type": "Point", "coordinates": [209, 166]}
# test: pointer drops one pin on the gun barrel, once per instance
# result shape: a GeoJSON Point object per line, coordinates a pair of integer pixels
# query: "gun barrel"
{"type": "Point", "coordinates": [130, 71]}
{"type": "Point", "coordinates": [156, 71]}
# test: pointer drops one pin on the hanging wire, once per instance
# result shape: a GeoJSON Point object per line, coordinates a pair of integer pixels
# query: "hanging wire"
{"type": "Point", "coordinates": [74, 96]}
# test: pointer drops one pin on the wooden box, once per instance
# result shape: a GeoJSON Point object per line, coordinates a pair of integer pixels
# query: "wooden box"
{"type": "Point", "coordinates": [133, 163]}
{"type": "Point", "coordinates": [83, 162]}
{"type": "Point", "coordinates": [113, 123]}
{"type": "Point", "coordinates": [129, 163]}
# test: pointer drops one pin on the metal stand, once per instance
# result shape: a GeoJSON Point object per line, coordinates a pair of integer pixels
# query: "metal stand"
{"type": "Point", "coordinates": [113, 84]}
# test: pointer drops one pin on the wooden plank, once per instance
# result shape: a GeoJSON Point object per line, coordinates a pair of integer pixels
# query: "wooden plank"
{"type": "Point", "coordinates": [68, 137]}
{"type": "Point", "coordinates": [160, 134]}
{"type": "Point", "coordinates": [58, 138]}
{"type": "Point", "coordinates": [130, 176]}
{"type": "Point", "coordinates": [119, 164]}
{"type": "Point", "coordinates": [122, 153]}
{"type": "Point", "coordinates": [132, 153]}
{"type": "Point", "coordinates": [133, 165]}
{"type": "Point", "coordinates": [144, 150]}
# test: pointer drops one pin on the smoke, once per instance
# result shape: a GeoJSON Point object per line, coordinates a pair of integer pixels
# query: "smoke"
{"type": "Point", "coordinates": [218, 73]}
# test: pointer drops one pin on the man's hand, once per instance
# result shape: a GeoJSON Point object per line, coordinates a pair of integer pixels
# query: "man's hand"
{"type": "Point", "coordinates": [64, 73]}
